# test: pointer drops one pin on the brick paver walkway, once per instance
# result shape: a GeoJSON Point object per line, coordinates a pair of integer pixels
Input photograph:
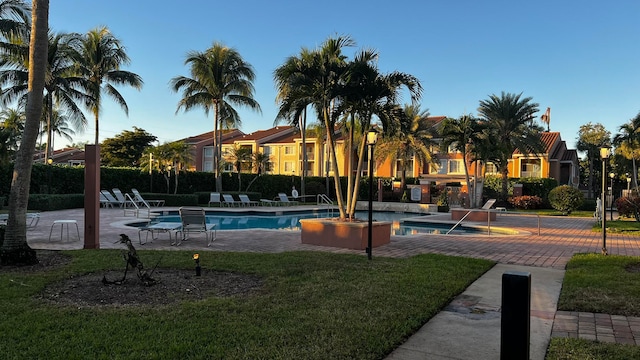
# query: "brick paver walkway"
{"type": "Point", "coordinates": [560, 238]}
{"type": "Point", "coordinates": [600, 327]}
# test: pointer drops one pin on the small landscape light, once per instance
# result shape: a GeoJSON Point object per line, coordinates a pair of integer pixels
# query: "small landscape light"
{"type": "Point", "coordinates": [196, 258]}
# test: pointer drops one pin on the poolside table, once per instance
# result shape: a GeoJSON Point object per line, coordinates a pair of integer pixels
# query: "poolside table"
{"type": "Point", "coordinates": [156, 228]}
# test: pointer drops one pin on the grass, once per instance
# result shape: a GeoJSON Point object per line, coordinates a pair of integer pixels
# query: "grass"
{"type": "Point", "coordinates": [599, 284]}
{"type": "Point", "coordinates": [553, 212]}
{"type": "Point", "coordinates": [314, 306]}
{"type": "Point", "coordinates": [602, 284]}
{"type": "Point", "coordinates": [624, 226]}
{"type": "Point", "coordinates": [580, 349]}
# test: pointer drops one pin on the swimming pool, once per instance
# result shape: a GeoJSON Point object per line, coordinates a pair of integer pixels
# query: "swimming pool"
{"type": "Point", "coordinates": [281, 220]}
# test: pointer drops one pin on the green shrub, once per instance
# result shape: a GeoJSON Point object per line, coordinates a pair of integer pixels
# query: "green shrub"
{"type": "Point", "coordinates": [566, 199]}
{"type": "Point", "coordinates": [526, 202]}
{"type": "Point", "coordinates": [628, 206]}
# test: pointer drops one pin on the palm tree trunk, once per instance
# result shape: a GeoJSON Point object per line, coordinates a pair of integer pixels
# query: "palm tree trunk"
{"type": "Point", "coordinates": [15, 249]}
{"type": "Point", "coordinates": [49, 150]}
{"type": "Point", "coordinates": [591, 160]}
{"type": "Point", "coordinates": [216, 155]}
{"type": "Point", "coordinates": [350, 199]}
{"type": "Point", "coordinates": [305, 161]}
{"type": "Point", "coordinates": [356, 183]}
{"type": "Point", "coordinates": [334, 159]}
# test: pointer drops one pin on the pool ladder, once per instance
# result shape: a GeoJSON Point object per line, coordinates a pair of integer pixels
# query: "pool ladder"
{"type": "Point", "coordinates": [324, 199]}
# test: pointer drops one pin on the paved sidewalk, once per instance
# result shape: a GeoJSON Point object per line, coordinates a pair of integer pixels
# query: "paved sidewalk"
{"type": "Point", "coordinates": [469, 328]}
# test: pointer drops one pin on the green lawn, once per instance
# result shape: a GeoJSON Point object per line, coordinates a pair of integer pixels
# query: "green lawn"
{"type": "Point", "coordinates": [600, 284]}
{"type": "Point", "coordinates": [313, 305]}
{"type": "Point", "coordinates": [626, 226]}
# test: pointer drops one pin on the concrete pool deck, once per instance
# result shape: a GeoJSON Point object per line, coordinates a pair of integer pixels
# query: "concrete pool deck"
{"type": "Point", "coordinates": [544, 256]}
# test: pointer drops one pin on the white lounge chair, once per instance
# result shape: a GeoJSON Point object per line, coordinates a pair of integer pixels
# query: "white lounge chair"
{"type": "Point", "coordinates": [148, 203]}
{"type": "Point", "coordinates": [214, 198]}
{"type": "Point", "coordinates": [110, 199]}
{"type": "Point", "coordinates": [488, 204]}
{"type": "Point", "coordinates": [244, 199]}
{"type": "Point", "coordinates": [284, 199]}
{"type": "Point", "coordinates": [120, 196]}
{"type": "Point", "coordinates": [194, 220]}
{"type": "Point", "coordinates": [229, 201]}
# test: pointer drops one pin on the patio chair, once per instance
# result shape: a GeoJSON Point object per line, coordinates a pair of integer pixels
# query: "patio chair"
{"type": "Point", "coordinates": [267, 202]}
{"type": "Point", "coordinates": [148, 203]}
{"type": "Point", "coordinates": [111, 199]}
{"type": "Point", "coordinates": [104, 202]}
{"type": "Point", "coordinates": [488, 204]}
{"type": "Point", "coordinates": [284, 199]}
{"type": "Point", "coordinates": [244, 199]}
{"type": "Point", "coordinates": [119, 196]}
{"type": "Point", "coordinates": [214, 198]}
{"type": "Point", "coordinates": [194, 220]}
{"type": "Point", "coordinates": [229, 201]}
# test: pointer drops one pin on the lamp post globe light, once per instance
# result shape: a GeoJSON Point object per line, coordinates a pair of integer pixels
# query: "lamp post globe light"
{"type": "Point", "coordinates": [372, 138]}
{"type": "Point", "coordinates": [604, 154]}
{"type": "Point", "coordinates": [611, 175]}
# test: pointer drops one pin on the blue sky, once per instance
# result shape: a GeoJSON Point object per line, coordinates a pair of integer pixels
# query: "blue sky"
{"type": "Point", "coordinates": [581, 59]}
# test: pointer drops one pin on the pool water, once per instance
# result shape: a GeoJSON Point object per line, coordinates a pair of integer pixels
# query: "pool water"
{"type": "Point", "coordinates": [291, 221]}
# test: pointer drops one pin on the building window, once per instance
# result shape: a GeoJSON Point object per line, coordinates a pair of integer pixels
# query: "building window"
{"type": "Point", "coordinates": [408, 168]}
{"type": "Point", "coordinates": [491, 168]}
{"type": "Point", "coordinates": [288, 167]}
{"type": "Point", "coordinates": [266, 150]}
{"type": "Point", "coordinates": [208, 166]}
{"type": "Point", "coordinates": [228, 167]}
{"type": "Point", "coordinates": [530, 168]}
{"type": "Point", "coordinates": [442, 169]}
{"type": "Point", "coordinates": [456, 167]}
{"type": "Point", "coordinates": [208, 152]}
{"type": "Point", "coordinates": [452, 148]}
{"type": "Point", "coordinates": [288, 150]}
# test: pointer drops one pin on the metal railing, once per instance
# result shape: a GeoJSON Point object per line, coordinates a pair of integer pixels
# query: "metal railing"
{"type": "Point", "coordinates": [469, 211]}
{"type": "Point", "coordinates": [135, 207]}
{"type": "Point", "coordinates": [324, 199]}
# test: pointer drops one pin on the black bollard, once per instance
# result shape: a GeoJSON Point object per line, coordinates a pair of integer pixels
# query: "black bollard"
{"type": "Point", "coordinates": [515, 320]}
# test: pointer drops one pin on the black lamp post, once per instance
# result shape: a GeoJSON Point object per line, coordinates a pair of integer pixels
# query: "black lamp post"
{"type": "Point", "coordinates": [151, 172]}
{"type": "Point", "coordinates": [372, 137]}
{"type": "Point", "coordinates": [49, 162]}
{"type": "Point", "coordinates": [604, 154]}
{"type": "Point", "coordinates": [611, 175]}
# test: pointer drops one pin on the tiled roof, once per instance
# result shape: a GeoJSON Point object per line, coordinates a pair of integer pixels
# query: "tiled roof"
{"type": "Point", "coordinates": [227, 137]}
{"type": "Point", "coordinates": [549, 139]}
{"type": "Point", "coordinates": [264, 134]}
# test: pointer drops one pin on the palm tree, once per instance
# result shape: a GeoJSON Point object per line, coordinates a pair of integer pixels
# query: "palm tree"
{"type": "Point", "coordinates": [60, 86]}
{"type": "Point", "coordinates": [368, 93]}
{"type": "Point", "coordinates": [510, 119]}
{"type": "Point", "coordinates": [220, 79]}
{"type": "Point", "coordinates": [101, 57]}
{"type": "Point", "coordinates": [317, 82]}
{"type": "Point", "coordinates": [59, 124]}
{"type": "Point", "coordinates": [628, 143]}
{"type": "Point", "coordinates": [411, 140]}
{"type": "Point", "coordinates": [237, 156]}
{"type": "Point", "coordinates": [259, 162]}
{"type": "Point", "coordinates": [591, 137]}
{"type": "Point", "coordinates": [12, 123]}
{"type": "Point", "coordinates": [14, 24]}
{"type": "Point", "coordinates": [461, 133]}
{"type": "Point", "coordinates": [15, 248]}
{"type": "Point", "coordinates": [293, 112]}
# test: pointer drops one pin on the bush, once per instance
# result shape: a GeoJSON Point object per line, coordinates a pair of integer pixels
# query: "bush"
{"type": "Point", "coordinates": [566, 199]}
{"type": "Point", "coordinates": [628, 206]}
{"type": "Point", "coordinates": [526, 202]}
